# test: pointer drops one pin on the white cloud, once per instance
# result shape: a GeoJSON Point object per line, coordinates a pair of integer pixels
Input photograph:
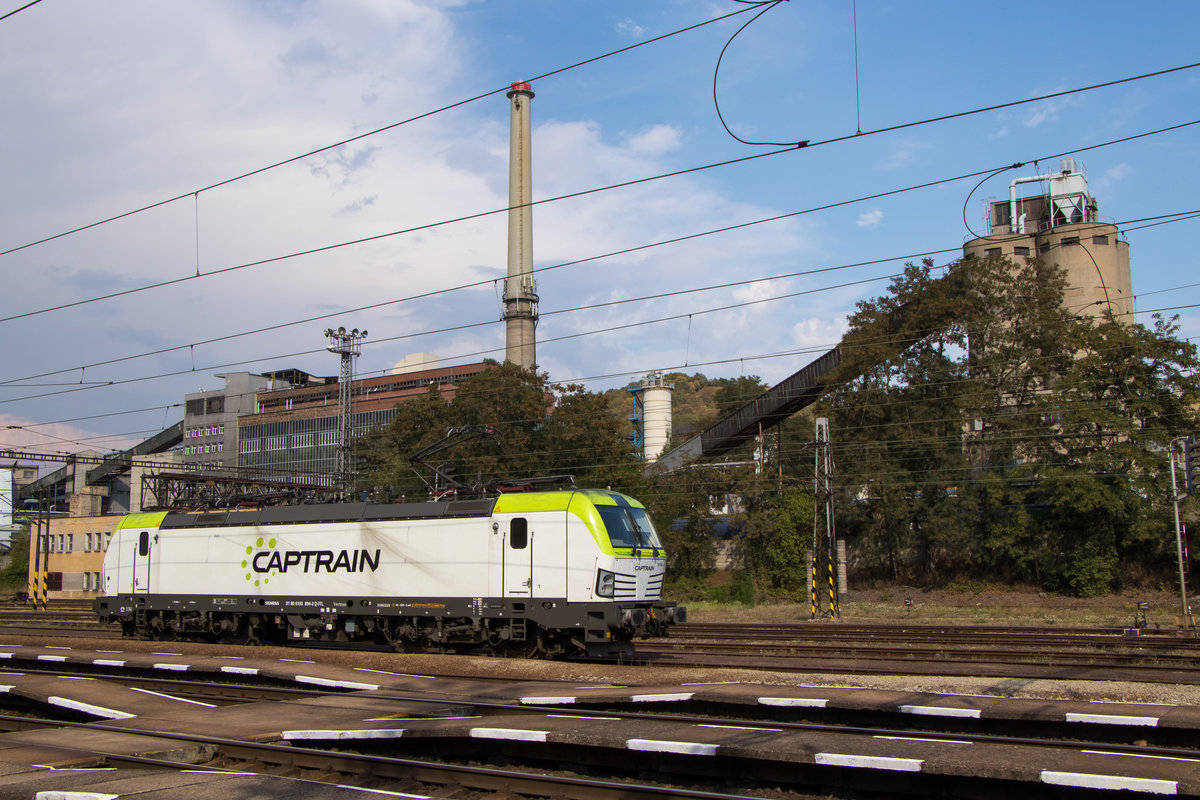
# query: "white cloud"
{"type": "Point", "coordinates": [631, 29]}
{"type": "Point", "coordinates": [1117, 173]}
{"type": "Point", "coordinates": [819, 332]}
{"type": "Point", "coordinates": [869, 219]}
{"type": "Point", "coordinates": [904, 153]}
{"type": "Point", "coordinates": [655, 140]}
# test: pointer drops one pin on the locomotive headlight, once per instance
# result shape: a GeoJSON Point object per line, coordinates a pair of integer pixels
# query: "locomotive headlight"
{"type": "Point", "coordinates": [604, 583]}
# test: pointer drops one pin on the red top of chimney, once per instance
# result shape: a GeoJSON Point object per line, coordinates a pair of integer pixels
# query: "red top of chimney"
{"type": "Point", "coordinates": [520, 86]}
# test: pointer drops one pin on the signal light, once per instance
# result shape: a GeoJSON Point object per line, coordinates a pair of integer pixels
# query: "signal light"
{"type": "Point", "coordinates": [1191, 466]}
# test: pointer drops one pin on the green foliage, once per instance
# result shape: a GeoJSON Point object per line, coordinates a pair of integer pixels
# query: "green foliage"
{"type": "Point", "coordinates": [980, 432]}
{"type": "Point", "coordinates": [15, 577]}
{"type": "Point", "coordinates": [740, 589]}
{"type": "Point", "coordinates": [1008, 438]}
{"type": "Point", "coordinates": [544, 429]}
{"type": "Point", "coordinates": [775, 540]}
{"type": "Point", "coordinates": [681, 505]}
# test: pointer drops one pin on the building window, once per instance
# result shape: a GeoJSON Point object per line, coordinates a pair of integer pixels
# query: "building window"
{"type": "Point", "coordinates": [992, 251]}
{"type": "Point", "coordinates": [1069, 240]}
{"type": "Point", "coordinates": [70, 543]}
{"type": "Point", "coordinates": [194, 408]}
{"type": "Point", "coordinates": [220, 430]}
{"type": "Point", "coordinates": [1020, 251]}
{"type": "Point", "coordinates": [215, 405]}
{"type": "Point", "coordinates": [107, 539]}
{"type": "Point", "coordinates": [1099, 240]}
{"type": "Point", "coordinates": [87, 542]}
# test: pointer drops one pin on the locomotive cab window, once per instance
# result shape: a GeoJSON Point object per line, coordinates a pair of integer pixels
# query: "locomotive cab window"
{"type": "Point", "coordinates": [518, 533]}
{"type": "Point", "coordinates": [144, 543]}
{"type": "Point", "coordinates": [629, 527]}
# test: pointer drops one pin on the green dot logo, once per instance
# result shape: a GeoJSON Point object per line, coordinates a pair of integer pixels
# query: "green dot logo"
{"type": "Point", "coordinates": [254, 559]}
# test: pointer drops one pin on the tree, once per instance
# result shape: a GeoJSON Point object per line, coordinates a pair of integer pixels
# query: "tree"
{"type": "Point", "coordinates": [775, 540]}
{"type": "Point", "coordinates": [543, 429]}
{"type": "Point", "coordinates": [896, 424]}
{"type": "Point", "coordinates": [984, 430]}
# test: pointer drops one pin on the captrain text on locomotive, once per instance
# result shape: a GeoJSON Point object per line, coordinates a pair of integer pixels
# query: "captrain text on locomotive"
{"type": "Point", "coordinates": [532, 573]}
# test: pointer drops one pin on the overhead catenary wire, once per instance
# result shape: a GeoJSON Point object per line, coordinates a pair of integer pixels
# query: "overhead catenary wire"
{"type": "Point", "coordinates": [673, 240]}
{"type": "Point", "coordinates": [378, 341]}
{"type": "Point", "coordinates": [357, 137]}
{"type": "Point", "coordinates": [19, 10]}
{"type": "Point", "coordinates": [716, 362]}
{"type": "Point", "coordinates": [485, 352]}
{"type": "Point", "coordinates": [587, 192]}
{"type": "Point", "coordinates": [1174, 217]}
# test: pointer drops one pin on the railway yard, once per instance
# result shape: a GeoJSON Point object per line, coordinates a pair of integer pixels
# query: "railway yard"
{"type": "Point", "coordinates": [822, 709]}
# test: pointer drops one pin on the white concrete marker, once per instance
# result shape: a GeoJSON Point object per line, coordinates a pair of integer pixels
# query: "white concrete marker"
{"type": "Point", "coordinates": [869, 762]}
{"type": "Point", "coordinates": [665, 746]}
{"type": "Point", "coordinates": [1085, 780]}
{"type": "Point", "coordinates": [516, 734]}
{"type": "Point", "coordinates": [88, 708]}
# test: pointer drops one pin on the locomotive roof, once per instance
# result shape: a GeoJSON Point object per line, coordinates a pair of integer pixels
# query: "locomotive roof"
{"type": "Point", "coordinates": [369, 512]}
{"type": "Point", "coordinates": [332, 512]}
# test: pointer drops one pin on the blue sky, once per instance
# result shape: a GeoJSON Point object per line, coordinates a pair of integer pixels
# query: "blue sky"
{"type": "Point", "coordinates": [111, 107]}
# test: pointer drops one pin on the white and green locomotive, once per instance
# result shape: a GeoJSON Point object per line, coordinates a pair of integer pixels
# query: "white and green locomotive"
{"type": "Point", "coordinates": [533, 573]}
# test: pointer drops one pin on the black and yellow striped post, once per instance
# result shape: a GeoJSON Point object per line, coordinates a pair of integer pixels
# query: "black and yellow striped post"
{"type": "Point", "coordinates": [813, 590]}
{"type": "Point", "coordinates": [38, 533]}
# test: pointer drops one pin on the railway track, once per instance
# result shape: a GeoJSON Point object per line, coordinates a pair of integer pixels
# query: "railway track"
{"type": "Point", "coordinates": [1102, 654]}
{"type": "Point", "coordinates": [612, 751]}
{"type": "Point", "coordinates": [844, 648]}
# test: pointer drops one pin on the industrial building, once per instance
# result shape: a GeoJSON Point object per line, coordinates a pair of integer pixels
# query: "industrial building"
{"type": "Point", "coordinates": [292, 434]}
{"type": "Point", "coordinates": [1061, 225]}
{"type": "Point", "coordinates": [210, 417]}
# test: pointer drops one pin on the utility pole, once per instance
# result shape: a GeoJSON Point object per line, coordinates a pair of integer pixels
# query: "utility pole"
{"type": "Point", "coordinates": [1191, 465]}
{"type": "Point", "coordinates": [348, 345]}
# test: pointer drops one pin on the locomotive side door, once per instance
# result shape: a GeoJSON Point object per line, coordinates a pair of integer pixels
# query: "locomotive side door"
{"type": "Point", "coordinates": [517, 559]}
{"type": "Point", "coordinates": [140, 571]}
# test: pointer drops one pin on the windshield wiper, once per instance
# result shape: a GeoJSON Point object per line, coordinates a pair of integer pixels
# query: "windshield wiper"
{"type": "Point", "coordinates": [637, 531]}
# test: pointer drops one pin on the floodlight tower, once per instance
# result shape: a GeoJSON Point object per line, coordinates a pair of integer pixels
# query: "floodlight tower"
{"type": "Point", "coordinates": [520, 290]}
{"type": "Point", "coordinates": [348, 345]}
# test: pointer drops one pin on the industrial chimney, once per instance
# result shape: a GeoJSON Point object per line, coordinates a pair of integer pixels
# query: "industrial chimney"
{"type": "Point", "coordinates": [520, 290]}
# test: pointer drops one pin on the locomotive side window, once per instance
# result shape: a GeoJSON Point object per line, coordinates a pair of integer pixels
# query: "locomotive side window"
{"type": "Point", "coordinates": [144, 543]}
{"type": "Point", "coordinates": [518, 533]}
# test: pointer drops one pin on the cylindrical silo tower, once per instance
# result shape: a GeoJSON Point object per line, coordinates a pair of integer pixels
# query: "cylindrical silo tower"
{"type": "Point", "coordinates": [655, 400]}
{"type": "Point", "coordinates": [1061, 226]}
{"type": "Point", "coordinates": [520, 290]}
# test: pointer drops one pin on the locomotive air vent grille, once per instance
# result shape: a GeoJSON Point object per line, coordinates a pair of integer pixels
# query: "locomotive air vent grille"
{"type": "Point", "coordinates": [624, 587]}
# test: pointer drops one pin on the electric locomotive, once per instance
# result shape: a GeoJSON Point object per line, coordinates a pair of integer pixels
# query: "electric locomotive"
{"type": "Point", "coordinates": [546, 573]}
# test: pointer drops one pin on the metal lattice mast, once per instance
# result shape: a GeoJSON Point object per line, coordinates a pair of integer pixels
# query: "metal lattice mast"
{"type": "Point", "coordinates": [348, 345]}
{"type": "Point", "coordinates": [823, 504]}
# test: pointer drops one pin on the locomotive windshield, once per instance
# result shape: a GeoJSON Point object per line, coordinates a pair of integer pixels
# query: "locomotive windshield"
{"type": "Point", "coordinates": [629, 526]}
